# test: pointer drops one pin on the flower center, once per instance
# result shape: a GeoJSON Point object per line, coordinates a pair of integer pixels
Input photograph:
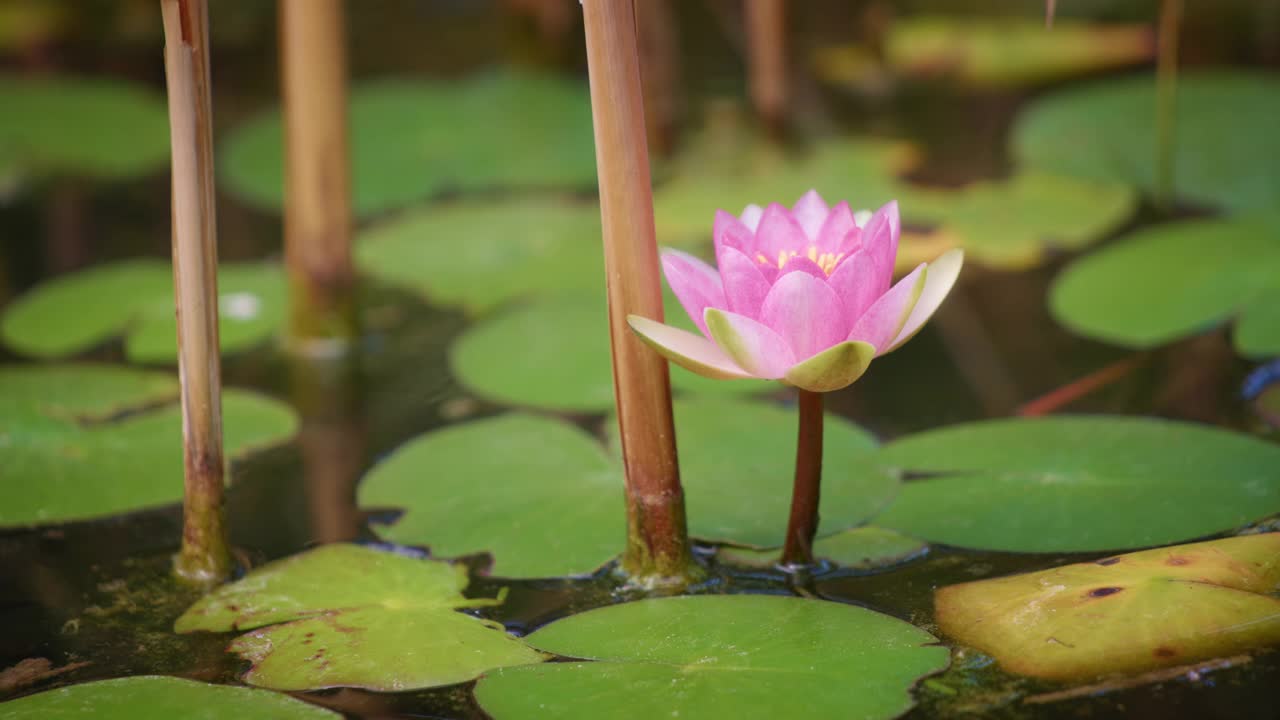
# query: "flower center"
{"type": "Point", "coordinates": [826, 261]}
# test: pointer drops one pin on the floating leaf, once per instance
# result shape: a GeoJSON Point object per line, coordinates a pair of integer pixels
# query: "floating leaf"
{"type": "Point", "coordinates": [540, 495]}
{"type": "Point", "coordinates": [153, 696]}
{"type": "Point", "coordinates": [1124, 614]}
{"type": "Point", "coordinates": [1068, 484]}
{"type": "Point", "coordinates": [860, 549]}
{"type": "Point", "coordinates": [411, 139]}
{"type": "Point", "coordinates": [719, 657]}
{"type": "Point", "coordinates": [72, 313]}
{"type": "Point", "coordinates": [80, 441]}
{"type": "Point", "coordinates": [1226, 151]}
{"type": "Point", "coordinates": [347, 616]}
{"type": "Point", "coordinates": [43, 130]}
{"type": "Point", "coordinates": [1170, 281]}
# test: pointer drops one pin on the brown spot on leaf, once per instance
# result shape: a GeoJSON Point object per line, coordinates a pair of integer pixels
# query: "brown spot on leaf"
{"type": "Point", "coordinates": [1108, 561]}
{"type": "Point", "coordinates": [1164, 651]}
{"type": "Point", "coordinates": [1104, 591]}
{"type": "Point", "coordinates": [1177, 560]}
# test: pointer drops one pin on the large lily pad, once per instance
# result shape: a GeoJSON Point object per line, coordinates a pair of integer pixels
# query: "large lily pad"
{"type": "Point", "coordinates": [411, 139]}
{"type": "Point", "coordinates": [861, 549]}
{"type": "Point", "coordinates": [1129, 613]}
{"type": "Point", "coordinates": [737, 656]}
{"type": "Point", "coordinates": [1226, 154]}
{"type": "Point", "coordinates": [80, 126]}
{"type": "Point", "coordinates": [539, 495]}
{"type": "Point", "coordinates": [81, 441]}
{"type": "Point", "coordinates": [153, 696]}
{"type": "Point", "coordinates": [478, 255]}
{"type": "Point", "coordinates": [1170, 281]}
{"type": "Point", "coordinates": [1068, 484]}
{"type": "Point", "coordinates": [344, 615]}
{"type": "Point", "coordinates": [72, 313]}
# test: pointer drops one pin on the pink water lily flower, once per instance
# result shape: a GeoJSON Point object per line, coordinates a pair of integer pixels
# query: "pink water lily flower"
{"type": "Point", "coordinates": [805, 295]}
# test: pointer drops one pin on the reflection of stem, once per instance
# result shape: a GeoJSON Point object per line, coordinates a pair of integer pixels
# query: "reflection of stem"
{"type": "Point", "coordinates": [767, 60]}
{"type": "Point", "coordinates": [65, 227]}
{"type": "Point", "coordinates": [657, 536]}
{"type": "Point", "coordinates": [802, 526]}
{"type": "Point", "coordinates": [1167, 99]}
{"type": "Point", "coordinates": [332, 440]}
{"type": "Point", "coordinates": [204, 557]}
{"type": "Point", "coordinates": [970, 345]}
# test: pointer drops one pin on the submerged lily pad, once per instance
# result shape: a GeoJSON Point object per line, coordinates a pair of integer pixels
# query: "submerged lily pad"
{"type": "Point", "coordinates": [154, 696]}
{"type": "Point", "coordinates": [1124, 614]}
{"type": "Point", "coordinates": [347, 616]}
{"type": "Point", "coordinates": [72, 313]}
{"type": "Point", "coordinates": [411, 139]}
{"type": "Point", "coordinates": [539, 495]}
{"type": "Point", "coordinates": [102, 128]}
{"type": "Point", "coordinates": [1226, 154]}
{"type": "Point", "coordinates": [79, 441]}
{"type": "Point", "coordinates": [1068, 484]}
{"type": "Point", "coordinates": [478, 255]}
{"type": "Point", "coordinates": [729, 656]}
{"type": "Point", "coordinates": [1170, 281]}
{"type": "Point", "coordinates": [860, 549]}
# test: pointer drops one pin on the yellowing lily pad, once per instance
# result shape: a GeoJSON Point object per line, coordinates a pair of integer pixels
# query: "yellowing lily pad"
{"type": "Point", "coordinates": [80, 441]}
{"type": "Point", "coordinates": [727, 656]}
{"type": "Point", "coordinates": [860, 549]}
{"type": "Point", "coordinates": [539, 495]}
{"type": "Point", "coordinates": [411, 139]}
{"type": "Point", "coordinates": [73, 313]}
{"type": "Point", "coordinates": [343, 615]}
{"type": "Point", "coordinates": [1170, 281]}
{"type": "Point", "coordinates": [1067, 484]}
{"type": "Point", "coordinates": [1124, 614]}
{"type": "Point", "coordinates": [1226, 153]}
{"type": "Point", "coordinates": [153, 696]}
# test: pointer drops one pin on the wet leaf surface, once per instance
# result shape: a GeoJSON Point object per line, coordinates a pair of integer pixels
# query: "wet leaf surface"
{"type": "Point", "coordinates": [1076, 484]}
{"type": "Point", "coordinates": [861, 549]}
{"type": "Point", "coordinates": [738, 656]}
{"type": "Point", "coordinates": [1124, 614]}
{"type": "Point", "coordinates": [81, 441]}
{"type": "Point", "coordinates": [160, 697]}
{"type": "Point", "coordinates": [344, 615]}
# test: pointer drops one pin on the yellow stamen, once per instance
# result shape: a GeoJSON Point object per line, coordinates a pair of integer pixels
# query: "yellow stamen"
{"type": "Point", "coordinates": [826, 261]}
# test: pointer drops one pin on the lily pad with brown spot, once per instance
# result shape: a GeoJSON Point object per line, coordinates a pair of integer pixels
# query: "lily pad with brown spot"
{"type": "Point", "coordinates": [347, 616]}
{"type": "Point", "coordinates": [1124, 614]}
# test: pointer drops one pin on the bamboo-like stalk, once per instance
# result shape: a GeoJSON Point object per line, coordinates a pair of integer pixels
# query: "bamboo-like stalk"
{"type": "Point", "coordinates": [317, 218]}
{"type": "Point", "coordinates": [1167, 100]}
{"type": "Point", "coordinates": [802, 526]}
{"type": "Point", "coordinates": [204, 557]}
{"type": "Point", "coordinates": [659, 44]}
{"type": "Point", "coordinates": [767, 61]}
{"type": "Point", "coordinates": [657, 538]}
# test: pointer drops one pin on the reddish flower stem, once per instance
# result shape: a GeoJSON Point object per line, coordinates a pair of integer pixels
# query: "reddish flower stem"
{"type": "Point", "coordinates": [1069, 393]}
{"type": "Point", "coordinates": [803, 524]}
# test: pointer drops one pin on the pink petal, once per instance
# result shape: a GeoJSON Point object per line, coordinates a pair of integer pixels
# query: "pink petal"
{"type": "Point", "coordinates": [832, 369]}
{"type": "Point", "coordinates": [835, 235]}
{"type": "Point", "coordinates": [811, 212]}
{"type": "Point", "coordinates": [779, 233]}
{"type": "Point", "coordinates": [751, 215]}
{"type": "Point", "coordinates": [689, 351]}
{"type": "Point", "coordinates": [745, 283]}
{"type": "Point", "coordinates": [859, 282]}
{"type": "Point", "coordinates": [939, 277]}
{"type": "Point", "coordinates": [728, 231]}
{"type": "Point", "coordinates": [880, 235]}
{"type": "Point", "coordinates": [695, 283]}
{"type": "Point", "coordinates": [882, 322]}
{"type": "Point", "coordinates": [800, 263]}
{"type": "Point", "coordinates": [806, 312]}
{"type": "Point", "coordinates": [754, 347]}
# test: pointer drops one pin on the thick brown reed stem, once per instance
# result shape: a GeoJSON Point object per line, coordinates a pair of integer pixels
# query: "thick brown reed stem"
{"type": "Point", "coordinates": [1167, 100]}
{"type": "Point", "coordinates": [767, 61]}
{"type": "Point", "coordinates": [802, 526]}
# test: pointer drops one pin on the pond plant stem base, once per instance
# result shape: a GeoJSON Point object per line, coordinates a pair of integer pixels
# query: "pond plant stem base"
{"type": "Point", "coordinates": [802, 526]}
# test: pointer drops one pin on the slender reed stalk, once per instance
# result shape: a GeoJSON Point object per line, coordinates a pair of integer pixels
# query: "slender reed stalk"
{"type": "Point", "coordinates": [802, 526]}
{"type": "Point", "coordinates": [767, 61]}
{"type": "Point", "coordinates": [204, 557]}
{"type": "Point", "coordinates": [1167, 100]}
{"type": "Point", "coordinates": [657, 549]}
{"type": "Point", "coordinates": [659, 42]}
{"type": "Point", "coordinates": [317, 219]}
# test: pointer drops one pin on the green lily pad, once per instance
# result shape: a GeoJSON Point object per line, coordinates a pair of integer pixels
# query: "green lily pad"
{"type": "Point", "coordinates": [411, 139]}
{"type": "Point", "coordinates": [1125, 614]}
{"type": "Point", "coordinates": [734, 656]}
{"type": "Point", "coordinates": [1226, 153]}
{"type": "Point", "coordinates": [43, 130]}
{"type": "Point", "coordinates": [79, 442]}
{"type": "Point", "coordinates": [553, 353]}
{"type": "Point", "coordinates": [347, 616]}
{"type": "Point", "coordinates": [154, 696]}
{"type": "Point", "coordinates": [541, 496]}
{"type": "Point", "coordinates": [1170, 281]}
{"type": "Point", "coordinates": [480, 254]}
{"type": "Point", "coordinates": [73, 313]}
{"type": "Point", "coordinates": [1077, 484]}
{"type": "Point", "coordinates": [860, 549]}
